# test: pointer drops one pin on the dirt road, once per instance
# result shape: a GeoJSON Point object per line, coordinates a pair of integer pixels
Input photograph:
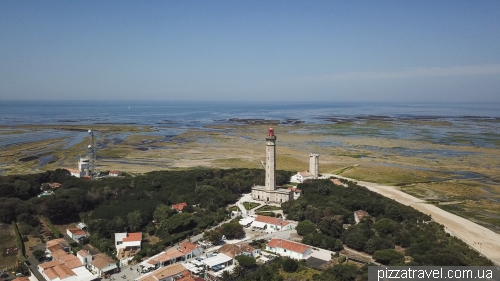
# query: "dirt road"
{"type": "Point", "coordinates": [478, 237]}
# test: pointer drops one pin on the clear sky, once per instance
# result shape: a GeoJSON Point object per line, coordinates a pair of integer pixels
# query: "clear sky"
{"type": "Point", "coordinates": [251, 50]}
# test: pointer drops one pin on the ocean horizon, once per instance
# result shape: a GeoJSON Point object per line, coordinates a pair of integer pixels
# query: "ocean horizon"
{"type": "Point", "coordinates": [200, 113]}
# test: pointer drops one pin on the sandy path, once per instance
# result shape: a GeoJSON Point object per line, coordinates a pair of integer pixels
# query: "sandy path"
{"type": "Point", "coordinates": [476, 236]}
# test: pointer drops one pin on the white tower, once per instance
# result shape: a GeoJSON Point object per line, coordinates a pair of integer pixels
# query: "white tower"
{"type": "Point", "coordinates": [314, 164]}
{"type": "Point", "coordinates": [271, 160]}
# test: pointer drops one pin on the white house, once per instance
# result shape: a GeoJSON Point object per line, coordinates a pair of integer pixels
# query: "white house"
{"type": "Point", "coordinates": [300, 177]}
{"type": "Point", "coordinates": [84, 256]}
{"type": "Point", "coordinates": [249, 250]}
{"type": "Point", "coordinates": [167, 273]}
{"type": "Point", "coordinates": [296, 192]}
{"type": "Point", "coordinates": [66, 267]}
{"type": "Point", "coordinates": [76, 173]}
{"type": "Point", "coordinates": [128, 240]}
{"type": "Point", "coordinates": [76, 233]}
{"type": "Point", "coordinates": [270, 224]}
{"type": "Point", "coordinates": [114, 173]}
{"type": "Point", "coordinates": [127, 245]}
{"type": "Point", "coordinates": [102, 264]}
{"type": "Point", "coordinates": [286, 225]}
{"type": "Point", "coordinates": [186, 250]}
{"type": "Point", "coordinates": [288, 248]}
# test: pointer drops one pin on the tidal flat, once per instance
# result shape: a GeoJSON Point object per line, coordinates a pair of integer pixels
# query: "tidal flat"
{"type": "Point", "coordinates": [452, 163]}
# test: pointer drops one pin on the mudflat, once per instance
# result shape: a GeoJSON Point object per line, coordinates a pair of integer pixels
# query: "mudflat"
{"type": "Point", "coordinates": [452, 165]}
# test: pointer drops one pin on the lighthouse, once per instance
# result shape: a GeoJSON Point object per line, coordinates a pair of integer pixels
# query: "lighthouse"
{"type": "Point", "coordinates": [269, 192]}
{"type": "Point", "coordinates": [270, 160]}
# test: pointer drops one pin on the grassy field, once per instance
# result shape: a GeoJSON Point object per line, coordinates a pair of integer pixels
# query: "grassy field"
{"type": "Point", "coordinates": [7, 240]}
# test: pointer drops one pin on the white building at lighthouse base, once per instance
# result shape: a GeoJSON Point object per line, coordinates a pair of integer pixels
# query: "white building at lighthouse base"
{"type": "Point", "coordinates": [278, 195]}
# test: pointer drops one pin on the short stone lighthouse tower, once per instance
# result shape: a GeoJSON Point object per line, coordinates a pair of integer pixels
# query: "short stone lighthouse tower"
{"type": "Point", "coordinates": [270, 160]}
{"type": "Point", "coordinates": [314, 165]}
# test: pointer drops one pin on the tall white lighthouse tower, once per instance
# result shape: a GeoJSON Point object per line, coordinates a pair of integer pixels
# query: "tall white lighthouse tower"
{"type": "Point", "coordinates": [270, 160]}
{"type": "Point", "coordinates": [270, 192]}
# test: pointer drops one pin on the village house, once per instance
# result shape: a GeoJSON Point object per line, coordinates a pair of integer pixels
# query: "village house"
{"type": "Point", "coordinates": [296, 192]}
{"type": "Point", "coordinates": [84, 257]}
{"type": "Point", "coordinates": [76, 233]}
{"type": "Point", "coordinates": [114, 173]}
{"type": "Point", "coordinates": [102, 265]}
{"type": "Point", "coordinates": [64, 266]}
{"type": "Point", "coordinates": [217, 262]}
{"type": "Point", "coordinates": [286, 225]}
{"type": "Point", "coordinates": [300, 177]}
{"type": "Point", "coordinates": [76, 173]}
{"type": "Point", "coordinates": [270, 224]}
{"type": "Point", "coordinates": [230, 250]}
{"type": "Point", "coordinates": [127, 245]}
{"type": "Point", "coordinates": [359, 215]}
{"type": "Point", "coordinates": [250, 251]}
{"type": "Point", "coordinates": [184, 251]}
{"type": "Point", "coordinates": [57, 244]}
{"type": "Point", "coordinates": [179, 206]}
{"type": "Point", "coordinates": [167, 273]}
{"type": "Point", "coordinates": [288, 248]}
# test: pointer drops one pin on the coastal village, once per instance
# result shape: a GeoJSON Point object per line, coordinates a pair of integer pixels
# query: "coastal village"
{"type": "Point", "coordinates": [267, 235]}
{"type": "Point", "coordinates": [195, 258]}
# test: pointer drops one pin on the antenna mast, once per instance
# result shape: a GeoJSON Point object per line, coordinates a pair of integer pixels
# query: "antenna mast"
{"type": "Point", "coordinates": [92, 150]}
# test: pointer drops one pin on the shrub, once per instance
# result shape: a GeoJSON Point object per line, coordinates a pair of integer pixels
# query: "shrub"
{"type": "Point", "coordinates": [290, 265]}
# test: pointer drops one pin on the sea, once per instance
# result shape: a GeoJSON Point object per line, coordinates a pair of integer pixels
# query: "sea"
{"type": "Point", "coordinates": [199, 114]}
{"type": "Point", "coordinates": [171, 118]}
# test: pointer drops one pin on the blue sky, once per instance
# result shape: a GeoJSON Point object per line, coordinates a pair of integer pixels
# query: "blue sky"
{"type": "Point", "coordinates": [251, 50]}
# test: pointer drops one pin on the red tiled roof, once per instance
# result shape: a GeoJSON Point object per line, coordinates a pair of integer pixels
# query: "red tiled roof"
{"type": "Point", "coordinates": [71, 261]}
{"type": "Point", "coordinates": [179, 206]}
{"type": "Point", "coordinates": [114, 172]}
{"type": "Point", "coordinates": [49, 264]}
{"type": "Point", "coordinates": [289, 245]}
{"type": "Point", "coordinates": [54, 184]}
{"type": "Point", "coordinates": [131, 237]}
{"type": "Point", "coordinates": [361, 214]}
{"type": "Point", "coordinates": [283, 223]}
{"type": "Point", "coordinates": [266, 219]}
{"type": "Point", "coordinates": [187, 247]}
{"type": "Point", "coordinates": [58, 253]}
{"type": "Point", "coordinates": [77, 231]}
{"type": "Point", "coordinates": [306, 174]}
{"type": "Point", "coordinates": [57, 241]}
{"type": "Point", "coordinates": [83, 253]}
{"type": "Point", "coordinates": [164, 272]}
{"type": "Point", "coordinates": [101, 261]}
{"type": "Point", "coordinates": [247, 248]}
{"type": "Point", "coordinates": [336, 181]}
{"type": "Point", "coordinates": [63, 271]}
{"type": "Point", "coordinates": [230, 250]}
{"type": "Point", "coordinates": [294, 189]}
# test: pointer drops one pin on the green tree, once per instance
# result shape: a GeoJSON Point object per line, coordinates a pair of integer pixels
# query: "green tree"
{"type": "Point", "coordinates": [39, 254]}
{"type": "Point", "coordinates": [388, 256]}
{"type": "Point", "coordinates": [384, 226]}
{"type": "Point", "coordinates": [134, 220]}
{"type": "Point", "coordinates": [306, 227]}
{"type": "Point", "coordinates": [245, 261]}
{"type": "Point", "coordinates": [290, 265]}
